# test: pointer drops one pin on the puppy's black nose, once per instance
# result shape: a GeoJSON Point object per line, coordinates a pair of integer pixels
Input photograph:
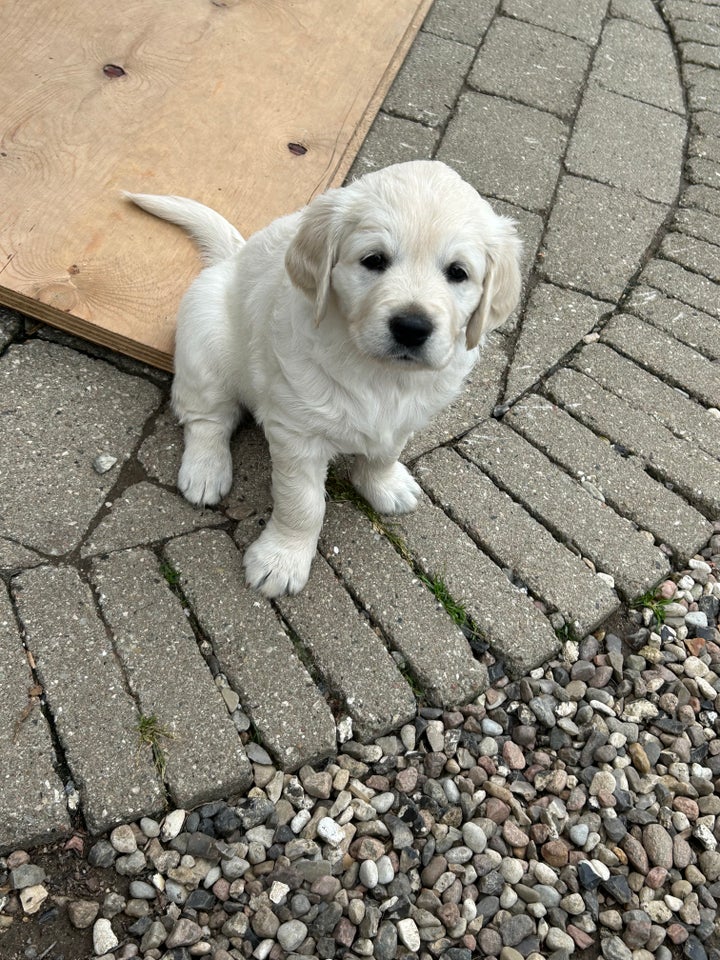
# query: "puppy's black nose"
{"type": "Point", "coordinates": [410, 329]}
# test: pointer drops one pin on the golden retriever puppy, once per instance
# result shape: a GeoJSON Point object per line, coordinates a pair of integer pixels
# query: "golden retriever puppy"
{"type": "Point", "coordinates": [343, 328]}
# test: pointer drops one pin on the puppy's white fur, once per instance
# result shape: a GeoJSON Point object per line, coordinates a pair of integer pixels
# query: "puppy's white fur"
{"type": "Point", "coordinates": [343, 328]}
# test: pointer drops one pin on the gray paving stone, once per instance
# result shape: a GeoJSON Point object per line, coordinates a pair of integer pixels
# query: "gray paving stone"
{"type": "Point", "coordinates": [698, 224]}
{"type": "Point", "coordinates": [143, 514]}
{"type": "Point", "coordinates": [32, 798]}
{"type": "Point", "coordinates": [640, 63]}
{"type": "Point", "coordinates": [171, 681]}
{"type": "Point", "coordinates": [515, 539]}
{"type": "Point", "coordinates": [704, 146]}
{"type": "Point", "coordinates": [705, 122]}
{"type": "Point", "coordinates": [554, 321]}
{"type": "Point", "coordinates": [521, 149]}
{"type": "Point", "coordinates": [531, 65]}
{"type": "Point", "coordinates": [517, 632]}
{"type": "Point", "coordinates": [696, 329]}
{"type": "Point", "coordinates": [576, 18]}
{"type": "Point", "coordinates": [689, 31]}
{"type": "Point", "coordinates": [416, 625]}
{"type": "Point", "coordinates": [479, 397]}
{"type": "Point", "coordinates": [701, 196]}
{"type": "Point", "coordinates": [462, 20]}
{"type": "Point", "coordinates": [430, 79]}
{"type": "Point", "coordinates": [640, 11]}
{"type": "Point", "coordinates": [691, 471]}
{"type": "Point", "coordinates": [95, 717]}
{"type": "Point", "coordinates": [621, 480]}
{"type": "Point", "coordinates": [697, 255]}
{"type": "Point", "coordinates": [573, 514]}
{"type": "Point", "coordinates": [671, 361]}
{"type": "Point", "coordinates": [699, 12]}
{"type": "Point", "coordinates": [684, 285]}
{"type": "Point", "coordinates": [348, 654]}
{"type": "Point", "coordinates": [255, 654]}
{"type": "Point", "coordinates": [705, 173]}
{"type": "Point", "coordinates": [613, 137]}
{"type": "Point", "coordinates": [597, 236]}
{"type": "Point", "coordinates": [393, 140]}
{"type": "Point", "coordinates": [530, 228]}
{"type": "Point", "coordinates": [14, 558]}
{"type": "Point", "coordinates": [49, 438]}
{"type": "Point", "coordinates": [701, 53]}
{"type": "Point", "coordinates": [161, 451]}
{"type": "Point", "coordinates": [702, 87]}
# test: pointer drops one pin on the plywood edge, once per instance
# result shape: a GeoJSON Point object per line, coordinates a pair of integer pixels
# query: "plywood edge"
{"type": "Point", "coordinates": [87, 331]}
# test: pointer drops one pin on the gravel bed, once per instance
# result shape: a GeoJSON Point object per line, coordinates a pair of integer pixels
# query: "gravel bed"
{"type": "Point", "coordinates": [576, 810]}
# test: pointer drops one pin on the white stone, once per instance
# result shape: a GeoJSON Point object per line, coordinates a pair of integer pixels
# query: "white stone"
{"type": "Point", "coordinates": [123, 839]}
{"type": "Point", "coordinates": [385, 871]}
{"type": "Point", "coordinates": [104, 940]}
{"type": "Point", "coordinates": [368, 874]}
{"type": "Point", "coordinates": [32, 898]}
{"type": "Point", "coordinates": [278, 891]}
{"type": "Point", "coordinates": [330, 831]}
{"type": "Point", "coordinates": [409, 934]}
{"type": "Point", "coordinates": [172, 824]}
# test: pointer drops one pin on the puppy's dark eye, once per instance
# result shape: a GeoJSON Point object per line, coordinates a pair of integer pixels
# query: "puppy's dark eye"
{"type": "Point", "coordinates": [376, 262]}
{"type": "Point", "coordinates": [456, 273]}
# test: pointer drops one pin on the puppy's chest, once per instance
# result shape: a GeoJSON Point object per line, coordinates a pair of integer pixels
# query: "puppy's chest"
{"type": "Point", "coordinates": [378, 423]}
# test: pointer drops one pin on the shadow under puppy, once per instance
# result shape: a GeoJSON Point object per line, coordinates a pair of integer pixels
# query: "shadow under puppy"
{"type": "Point", "coordinates": [343, 328]}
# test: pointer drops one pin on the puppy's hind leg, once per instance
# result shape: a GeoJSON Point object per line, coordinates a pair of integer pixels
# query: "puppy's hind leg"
{"type": "Point", "coordinates": [386, 484]}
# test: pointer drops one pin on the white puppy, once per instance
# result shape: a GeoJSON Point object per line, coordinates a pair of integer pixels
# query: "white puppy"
{"type": "Point", "coordinates": [343, 328]}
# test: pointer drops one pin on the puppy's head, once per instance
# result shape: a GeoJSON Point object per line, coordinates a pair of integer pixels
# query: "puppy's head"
{"type": "Point", "coordinates": [415, 259]}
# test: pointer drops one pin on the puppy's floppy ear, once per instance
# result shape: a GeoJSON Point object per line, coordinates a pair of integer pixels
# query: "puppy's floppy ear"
{"type": "Point", "coordinates": [502, 284]}
{"type": "Point", "coordinates": [313, 251]}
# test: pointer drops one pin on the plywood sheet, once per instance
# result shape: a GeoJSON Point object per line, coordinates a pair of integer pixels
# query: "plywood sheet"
{"type": "Point", "coordinates": [250, 106]}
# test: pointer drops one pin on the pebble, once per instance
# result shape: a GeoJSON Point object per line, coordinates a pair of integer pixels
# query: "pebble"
{"type": "Point", "coordinates": [571, 809]}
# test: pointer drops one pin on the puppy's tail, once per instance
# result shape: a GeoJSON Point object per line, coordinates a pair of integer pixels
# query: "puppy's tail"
{"type": "Point", "coordinates": [216, 238]}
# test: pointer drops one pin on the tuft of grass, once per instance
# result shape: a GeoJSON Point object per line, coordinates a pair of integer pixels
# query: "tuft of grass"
{"type": "Point", "coordinates": [653, 602]}
{"type": "Point", "coordinates": [170, 573]}
{"type": "Point", "coordinates": [150, 733]}
{"type": "Point", "coordinates": [340, 490]}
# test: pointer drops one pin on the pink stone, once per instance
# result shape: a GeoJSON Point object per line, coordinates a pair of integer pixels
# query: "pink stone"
{"type": "Point", "coordinates": [513, 756]}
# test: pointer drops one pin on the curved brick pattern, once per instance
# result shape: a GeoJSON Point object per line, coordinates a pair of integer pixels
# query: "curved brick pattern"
{"type": "Point", "coordinates": [32, 797]}
{"type": "Point", "coordinates": [95, 717]}
{"type": "Point", "coordinates": [531, 65]}
{"type": "Point", "coordinates": [204, 758]}
{"type": "Point", "coordinates": [597, 236]}
{"type": "Point", "coordinates": [60, 410]}
{"type": "Point", "coordinates": [517, 632]}
{"type": "Point", "coordinates": [510, 535]}
{"type": "Point", "coordinates": [620, 480]}
{"type": "Point", "coordinates": [521, 149]}
{"type": "Point", "coordinates": [577, 118]}
{"type": "Point", "coordinates": [691, 327]}
{"type": "Point", "coordinates": [672, 363]}
{"type": "Point", "coordinates": [554, 321]}
{"type": "Point", "coordinates": [254, 652]}
{"type": "Point", "coordinates": [350, 656]}
{"type": "Point", "coordinates": [566, 508]}
{"type": "Point", "coordinates": [692, 472]}
{"type": "Point", "coordinates": [436, 651]}
{"type": "Point", "coordinates": [611, 139]}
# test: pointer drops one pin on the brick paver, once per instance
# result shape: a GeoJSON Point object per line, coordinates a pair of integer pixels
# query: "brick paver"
{"type": "Point", "coordinates": [595, 125]}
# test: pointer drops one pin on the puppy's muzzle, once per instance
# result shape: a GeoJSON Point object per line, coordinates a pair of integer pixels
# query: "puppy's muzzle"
{"type": "Point", "coordinates": [410, 330]}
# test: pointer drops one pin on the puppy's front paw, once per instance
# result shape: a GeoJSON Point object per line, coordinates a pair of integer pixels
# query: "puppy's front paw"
{"type": "Point", "coordinates": [392, 490]}
{"type": "Point", "coordinates": [277, 564]}
{"type": "Point", "coordinates": [206, 478]}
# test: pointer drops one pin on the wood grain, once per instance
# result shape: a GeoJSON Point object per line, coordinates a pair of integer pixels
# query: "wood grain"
{"type": "Point", "coordinates": [201, 99]}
